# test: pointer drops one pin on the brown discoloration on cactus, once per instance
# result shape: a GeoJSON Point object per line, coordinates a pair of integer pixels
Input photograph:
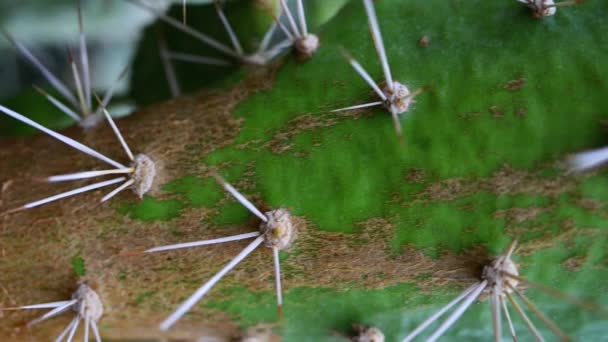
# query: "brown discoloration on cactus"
{"type": "Point", "coordinates": [167, 133]}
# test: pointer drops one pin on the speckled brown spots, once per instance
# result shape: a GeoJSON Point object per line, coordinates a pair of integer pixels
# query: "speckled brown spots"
{"type": "Point", "coordinates": [424, 41]}
{"type": "Point", "coordinates": [496, 112]}
{"type": "Point", "coordinates": [281, 141]}
{"type": "Point", "coordinates": [515, 85]}
{"type": "Point", "coordinates": [504, 181]}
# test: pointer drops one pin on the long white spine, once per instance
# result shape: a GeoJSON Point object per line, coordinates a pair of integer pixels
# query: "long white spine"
{"type": "Point", "coordinates": [117, 190]}
{"type": "Point", "coordinates": [84, 58]}
{"type": "Point", "coordinates": [200, 293]}
{"type": "Point", "coordinates": [203, 242]}
{"type": "Point", "coordinates": [124, 144]}
{"type": "Point", "coordinates": [458, 312]}
{"type": "Point", "coordinates": [290, 19]}
{"type": "Point", "coordinates": [439, 313]}
{"type": "Point", "coordinates": [302, 18]}
{"type": "Point", "coordinates": [54, 81]}
{"type": "Point", "coordinates": [68, 141]}
{"type": "Point", "coordinates": [87, 175]}
{"type": "Point", "coordinates": [244, 201]}
{"type": "Point", "coordinates": [233, 38]}
{"type": "Point", "coordinates": [589, 159]}
{"type": "Point", "coordinates": [187, 29]}
{"type": "Point", "coordinates": [73, 192]}
{"type": "Point", "coordinates": [378, 41]}
{"type": "Point", "coordinates": [277, 276]}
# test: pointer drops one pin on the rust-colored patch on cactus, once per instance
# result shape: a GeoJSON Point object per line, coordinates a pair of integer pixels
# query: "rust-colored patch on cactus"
{"type": "Point", "coordinates": [515, 85]}
{"type": "Point", "coordinates": [176, 134]}
{"type": "Point", "coordinates": [520, 215]}
{"type": "Point", "coordinates": [506, 181]}
{"type": "Point", "coordinates": [281, 141]}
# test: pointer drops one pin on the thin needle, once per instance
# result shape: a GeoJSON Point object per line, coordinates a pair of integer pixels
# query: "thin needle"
{"type": "Point", "coordinates": [83, 106]}
{"type": "Point", "coordinates": [277, 277]}
{"type": "Point", "coordinates": [95, 331]}
{"type": "Point", "coordinates": [557, 294]}
{"type": "Point", "coordinates": [458, 312]}
{"type": "Point", "coordinates": [267, 37]}
{"type": "Point", "coordinates": [65, 109]}
{"type": "Point", "coordinates": [186, 57]}
{"type": "Point", "coordinates": [506, 312]}
{"type": "Point", "coordinates": [84, 57]}
{"type": "Point", "coordinates": [556, 330]}
{"type": "Point", "coordinates": [87, 323]}
{"type": "Point", "coordinates": [416, 92]}
{"type": "Point", "coordinates": [378, 42]}
{"type": "Point", "coordinates": [198, 295]}
{"type": "Point", "coordinates": [69, 141]}
{"type": "Point", "coordinates": [73, 331]}
{"type": "Point", "coordinates": [87, 174]}
{"type": "Point", "coordinates": [523, 315]}
{"type": "Point", "coordinates": [73, 192]}
{"type": "Point", "coordinates": [365, 105]}
{"type": "Point", "coordinates": [233, 38]}
{"type": "Point", "coordinates": [396, 123]}
{"type": "Point", "coordinates": [107, 97]}
{"type": "Point", "coordinates": [186, 29]}
{"type": "Point", "coordinates": [168, 68]}
{"type": "Point", "coordinates": [276, 49]}
{"type": "Point", "coordinates": [283, 28]}
{"type": "Point", "coordinates": [38, 306]}
{"type": "Point", "coordinates": [364, 74]}
{"type": "Point", "coordinates": [439, 313]}
{"type": "Point", "coordinates": [117, 190]}
{"type": "Point", "coordinates": [564, 3]}
{"type": "Point", "coordinates": [184, 14]}
{"type": "Point", "coordinates": [116, 131]}
{"type": "Point", "coordinates": [66, 330]}
{"type": "Point", "coordinates": [290, 19]}
{"type": "Point", "coordinates": [511, 250]}
{"type": "Point", "coordinates": [496, 319]}
{"type": "Point", "coordinates": [203, 242]}
{"type": "Point", "coordinates": [54, 81]}
{"type": "Point", "coordinates": [239, 197]}
{"type": "Point", "coordinates": [588, 159]}
{"type": "Point", "coordinates": [56, 311]}
{"type": "Point", "coordinates": [302, 17]}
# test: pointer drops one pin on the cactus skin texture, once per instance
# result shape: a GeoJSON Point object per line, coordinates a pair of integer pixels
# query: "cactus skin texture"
{"type": "Point", "coordinates": [388, 231]}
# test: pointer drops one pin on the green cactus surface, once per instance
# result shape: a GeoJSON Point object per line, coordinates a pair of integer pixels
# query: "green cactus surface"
{"type": "Point", "coordinates": [390, 229]}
